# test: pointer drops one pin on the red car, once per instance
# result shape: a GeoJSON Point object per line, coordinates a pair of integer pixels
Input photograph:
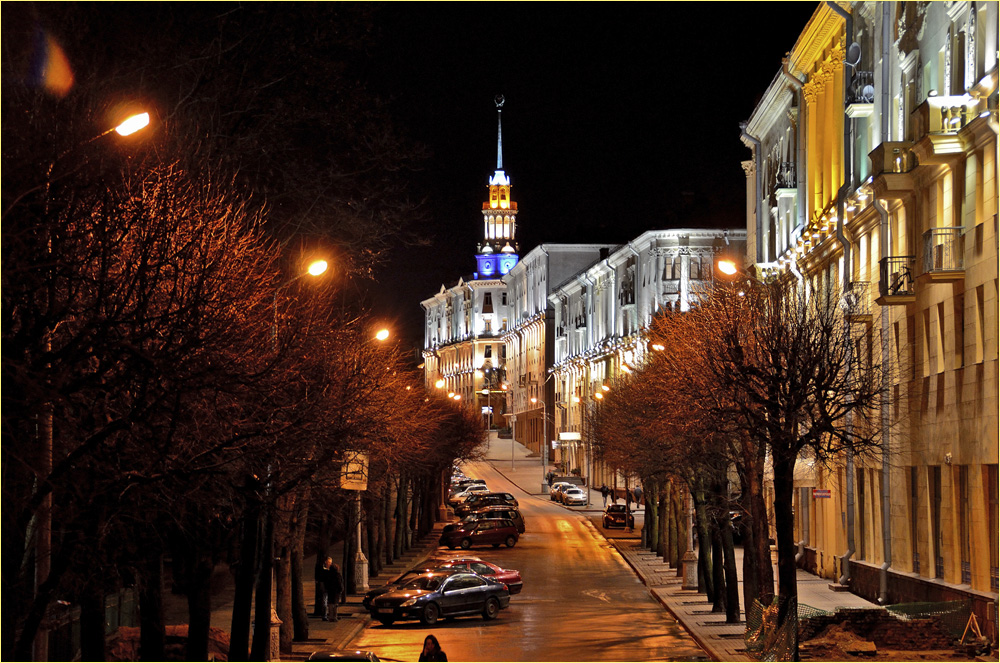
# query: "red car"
{"type": "Point", "coordinates": [509, 577]}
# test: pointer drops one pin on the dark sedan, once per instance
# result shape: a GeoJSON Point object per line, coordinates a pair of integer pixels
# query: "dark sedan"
{"type": "Point", "coordinates": [618, 515]}
{"type": "Point", "coordinates": [490, 571]}
{"type": "Point", "coordinates": [441, 594]}
{"type": "Point", "coordinates": [399, 580]}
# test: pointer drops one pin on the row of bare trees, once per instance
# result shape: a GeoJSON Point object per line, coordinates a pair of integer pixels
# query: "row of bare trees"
{"type": "Point", "coordinates": [754, 378]}
{"type": "Point", "coordinates": [177, 395]}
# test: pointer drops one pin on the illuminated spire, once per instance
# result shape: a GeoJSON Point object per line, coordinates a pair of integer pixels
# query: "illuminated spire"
{"type": "Point", "coordinates": [499, 102]}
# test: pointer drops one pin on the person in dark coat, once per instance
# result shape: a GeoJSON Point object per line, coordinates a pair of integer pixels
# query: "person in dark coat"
{"type": "Point", "coordinates": [432, 650]}
{"type": "Point", "coordinates": [333, 582]}
{"type": "Point", "coordinates": [604, 493]}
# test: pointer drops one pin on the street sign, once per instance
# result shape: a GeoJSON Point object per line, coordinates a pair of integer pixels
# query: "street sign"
{"type": "Point", "coordinates": [821, 493]}
{"type": "Point", "coordinates": [354, 471]}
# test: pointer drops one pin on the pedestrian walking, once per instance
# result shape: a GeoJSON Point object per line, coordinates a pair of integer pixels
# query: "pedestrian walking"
{"type": "Point", "coordinates": [637, 493]}
{"type": "Point", "coordinates": [432, 650]}
{"type": "Point", "coordinates": [628, 500]}
{"type": "Point", "coordinates": [333, 582]}
{"type": "Point", "coordinates": [321, 598]}
{"type": "Point", "coordinates": [604, 493]}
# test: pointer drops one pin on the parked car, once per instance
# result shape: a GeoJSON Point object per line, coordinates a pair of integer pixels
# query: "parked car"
{"type": "Point", "coordinates": [574, 497]}
{"type": "Point", "coordinates": [479, 500]}
{"type": "Point", "coordinates": [557, 487]}
{"type": "Point", "coordinates": [493, 532]}
{"type": "Point", "coordinates": [458, 498]}
{"type": "Point", "coordinates": [401, 579]}
{"type": "Point", "coordinates": [499, 511]}
{"type": "Point", "coordinates": [344, 655]}
{"type": "Point", "coordinates": [490, 571]}
{"type": "Point", "coordinates": [442, 594]}
{"type": "Point", "coordinates": [618, 515]}
{"type": "Point", "coordinates": [465, 481]}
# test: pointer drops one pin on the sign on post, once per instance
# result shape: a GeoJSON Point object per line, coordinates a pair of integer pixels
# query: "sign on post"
{"type": "Point", "coordinates": [354, 471]}
{"type": "Point", "coordinates": [821, 493]}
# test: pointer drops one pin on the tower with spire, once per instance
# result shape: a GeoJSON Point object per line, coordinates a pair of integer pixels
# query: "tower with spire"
{"type": "Point", "coordinates": [497, 252]}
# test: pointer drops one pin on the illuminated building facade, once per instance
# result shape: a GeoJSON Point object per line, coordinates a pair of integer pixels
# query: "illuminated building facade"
{"type": "Point", "coordinates": [600, 315]}
{"type": "Point", "coordinates": [874, 154]}
{"type": "Point", "coordinates": [463, 325]}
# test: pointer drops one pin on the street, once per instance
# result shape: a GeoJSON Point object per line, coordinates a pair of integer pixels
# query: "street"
{"type": "Point", "coordinates": [580, 601]}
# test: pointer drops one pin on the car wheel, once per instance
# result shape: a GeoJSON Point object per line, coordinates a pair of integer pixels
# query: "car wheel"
{"type": "Point", "coordinates": [491, 609]}
{"type": "Point", "coordinates": [386, 621]}
{"type": "Point", "coordinates": [466, 544]}
{"type": "Point", "coordinates": [510, 541]}
{"type": "Point", "coordinates": [430, 616]}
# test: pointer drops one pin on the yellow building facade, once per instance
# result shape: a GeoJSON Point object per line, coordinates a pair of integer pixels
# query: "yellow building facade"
{"type": "Point", "coordinates": [874, 169]}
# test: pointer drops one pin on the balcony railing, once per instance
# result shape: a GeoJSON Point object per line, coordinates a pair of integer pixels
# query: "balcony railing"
{"type": "Point", "coordinates": [786, 175]}
{"type": "Point", "coordinates": [862, 89]}
{"type": "Point", "coordinates": [943, 250]}
{"type": "Point", "coordinates": [892, 157]}
{"type": "Point", "coordinates": [943, 115]}
{"type": "Point", "coordinates": [856, 301]}
{"type": "Point", "coordinates": [896, 276]}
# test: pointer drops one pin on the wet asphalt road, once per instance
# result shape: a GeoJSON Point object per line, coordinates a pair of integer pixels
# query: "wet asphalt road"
{"type": "Point", "coordinates": [580, 601]}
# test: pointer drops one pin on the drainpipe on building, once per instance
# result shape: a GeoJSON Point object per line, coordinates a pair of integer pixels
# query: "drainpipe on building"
{"type": "Point", "coordinates": [794, 266]}
{"type": "Point", "coordinates": [885, 247]}
{"type": "Point", "coordinates": [759, 211]}
{"type": "Point", "coordinates": [841, 196]}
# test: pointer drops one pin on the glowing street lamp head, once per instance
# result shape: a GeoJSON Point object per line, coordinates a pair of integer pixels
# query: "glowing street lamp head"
{"type": "Point", "coordinates": [439, 384]}
{"type": "Point", "coordinates": [533, 400]}
{"type": "Point", "coordinates": [599, 395]}
{"type": "Point", "coordinates": [132, 124]}
{"type": "Point", "coordinates": [382, 334]}
{"type": "Point", "coordinates": [727, 267]}
{"type": "Point", "coordinates": [458, 397]}
{"type": "Point", "coordinates": [317, 267]}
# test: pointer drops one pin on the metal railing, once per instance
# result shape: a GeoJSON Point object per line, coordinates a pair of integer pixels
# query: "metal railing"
{"type": "Point", "coordinates": [895, 276]}
{"type": "Point", "coordinates": [943, 250]}
{"type": "Point", "coordinates": [855, 300]}
{"type": "Point", "coordinates": [862, 89]}
{"type": "Point", "coordinates": [786, 175]}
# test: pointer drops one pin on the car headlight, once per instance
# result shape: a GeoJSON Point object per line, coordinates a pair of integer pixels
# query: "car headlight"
{"type": "Point", "coordinates": [408, 602]}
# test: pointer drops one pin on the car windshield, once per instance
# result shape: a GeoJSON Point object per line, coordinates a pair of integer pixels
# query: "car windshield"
{"type": "Point", "coordinates": [429, 583]}
{"type": "Point", "coordinates": [619, 508]}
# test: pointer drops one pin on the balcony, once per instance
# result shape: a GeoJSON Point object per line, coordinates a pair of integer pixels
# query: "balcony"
{"type": "Point", "coordinates": [895, 285]}
{"type": "Point", "coordinates": [892, 166]}
{"type": "Point", "coordinates": [861, 95]}
{"type": "Point", "coordinates": [944, 255]}
{"type": "Point", "coordinates": [786, 175]}
{"type": "Point", "coordinates": [856, 303]}
{"type": "Point", "coordinates": [936, 124]}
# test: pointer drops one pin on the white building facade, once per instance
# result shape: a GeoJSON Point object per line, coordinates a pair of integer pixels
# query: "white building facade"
{"type": "Point", "coordinates": [600, 315]}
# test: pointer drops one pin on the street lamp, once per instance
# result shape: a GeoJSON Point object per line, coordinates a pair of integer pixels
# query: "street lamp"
{"type": "Point", "coordinates": [43, 539]}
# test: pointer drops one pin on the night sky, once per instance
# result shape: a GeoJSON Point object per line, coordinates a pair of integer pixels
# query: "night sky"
{"type": "Point", "coordinates": [619, 118]}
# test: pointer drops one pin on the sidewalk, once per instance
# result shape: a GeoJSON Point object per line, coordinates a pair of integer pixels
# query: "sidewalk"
{"type": "Point", "coordinates": [722, 641]}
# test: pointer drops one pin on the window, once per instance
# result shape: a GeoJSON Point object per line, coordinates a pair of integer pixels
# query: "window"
{"type": "Point", "coordinates": [981, 324]}
{"type": "Point", "coordinates": [914, 518]}
{"type": "Point", "coordinates": [503, 298]}
{"type": "Point", "coordinates": [959, 331]}
{"type": "Point", "coordinates": [992, 513]}
{"type": "Point", "coordinates": [488, 350]}
{"type": "Point", "coordinates": [964, 523]}
{"type": "Point", "coordinates": [937, 531]}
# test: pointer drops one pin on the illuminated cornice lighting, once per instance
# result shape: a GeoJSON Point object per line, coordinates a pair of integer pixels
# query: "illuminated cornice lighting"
{"type": "Point", "coordinates": [599, 396]}
{"type": "Point", "coordinates": [659, 347]}
{"type": "Point", "coordinates": [451, 394]}
{"type": "Point", "coordinates": [576, 399]}
{"type": "Point", "coordinates": [439, 384]}
{"type": "Point", "coordinates": [605, 387]}
{"type": "Point", "coordinates": [458, 397]}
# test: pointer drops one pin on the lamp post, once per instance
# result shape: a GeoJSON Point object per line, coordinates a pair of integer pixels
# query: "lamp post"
{"type": "Point", "coordinates": [545, 441]}
{"type": "Point", "coordinates": [315, 268]}
{"type": "Point", "coordinates": [43, 535]}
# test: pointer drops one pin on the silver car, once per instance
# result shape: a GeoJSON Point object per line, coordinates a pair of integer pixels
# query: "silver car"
{"type": "Point", "coordinates": [574, 497]}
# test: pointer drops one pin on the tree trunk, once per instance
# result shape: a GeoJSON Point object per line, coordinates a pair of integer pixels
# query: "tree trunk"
{"type": "Point", "coordinates": [718, 572]}
{"type": "Point", "coordinates": [152, 632]}
{"type": "Point", "coordinates": [761, 573]}
{"type": "Point", "coordinates": [663, 550]}
{"type": "Point", "coordinates": [651, 519]}
{"type": "Point", "coordinates": [388, 542]}
{"type": "Point", "coordinates": [284, 537]}
{"type": "Point", "coordinates": [322, 552]}
{"type": "Point", "coordinates": [371, 531]}
{"type": "Point", "coordinates": [400, 537]}
{"type": "Point", "coordinates": [239, 638]}
{"type": "Point", "coordinates": [705, 583]}
{"type": "Point", "coordinates": [93, 641]}
{"type": "Point", "coordinates": [732, 579]}
{"type": "Point", "coordinates": [682, 523]}
{"type": "Point", "coordinates": [784, 522]}
{"type": "Point", "coordinates": [300, 614]}
{"type": "Point", "coordinates": [199, 598]}
{"type": "Point", "coordinates": [260, 647]}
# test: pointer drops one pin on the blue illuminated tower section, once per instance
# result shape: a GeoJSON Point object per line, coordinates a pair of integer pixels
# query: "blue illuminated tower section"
{"type": "Point", "coordinates": [497, 252]}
